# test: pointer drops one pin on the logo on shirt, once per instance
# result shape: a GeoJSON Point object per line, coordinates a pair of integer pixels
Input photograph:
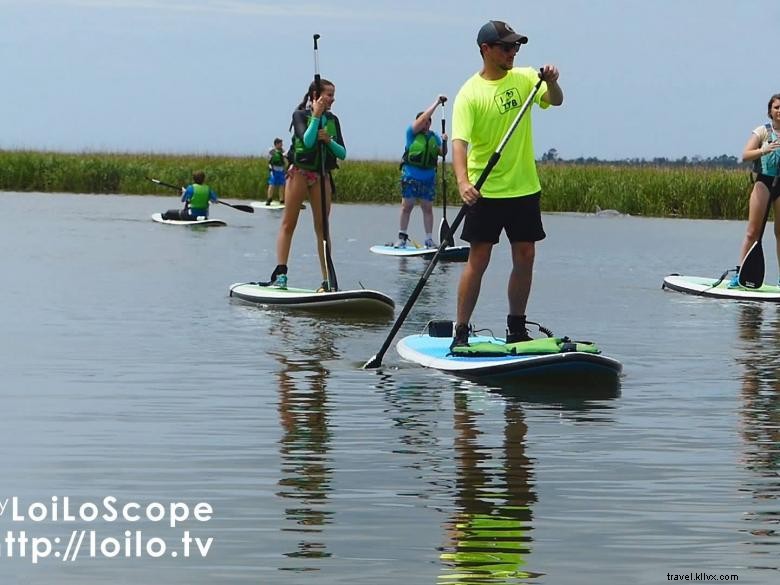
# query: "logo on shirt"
{"type": "Point", "coordinates": [508, 100]}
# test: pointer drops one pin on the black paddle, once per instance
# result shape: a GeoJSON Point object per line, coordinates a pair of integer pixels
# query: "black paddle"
{"type": "Point", "coordinates": [751, 271]}
{"type": "Point", "coordinates": [445, 233]}
{"type": "Point", "coordinates": [376, 361]}
{"type": "Point", "coordinates": [329, 267]}
{"type": "Point", "coordinates": [244, 208]}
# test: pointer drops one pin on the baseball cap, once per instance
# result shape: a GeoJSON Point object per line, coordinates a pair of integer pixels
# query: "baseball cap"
{"type": "Point", "coordinates": [497, 31]}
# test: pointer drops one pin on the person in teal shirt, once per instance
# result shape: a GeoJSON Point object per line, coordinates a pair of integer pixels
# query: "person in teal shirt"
{"type": "Point", "coordinates": [196, 198]}
{"type": "Point", "coordinates": [316, 132]}
{"type": "Point", "coordinates": [763, 150]}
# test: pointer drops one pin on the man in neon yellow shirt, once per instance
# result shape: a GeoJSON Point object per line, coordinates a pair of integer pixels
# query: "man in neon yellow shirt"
{"type": "Point", "coordinates": [485, 108]}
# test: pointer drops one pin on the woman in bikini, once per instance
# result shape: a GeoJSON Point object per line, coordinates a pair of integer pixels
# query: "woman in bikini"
{"type": "Point", "coordinates": [313, 125]}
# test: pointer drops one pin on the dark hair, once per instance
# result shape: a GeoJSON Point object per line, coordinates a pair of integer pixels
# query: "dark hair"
{"type": "Point", "coordinates": [312, 91]}
{"type": "Point", "coordinates": [277, 140]}
{"type": "Point", "coordinates": [199, 177]}
{"type": "Point", "coordinates": [769, 105]}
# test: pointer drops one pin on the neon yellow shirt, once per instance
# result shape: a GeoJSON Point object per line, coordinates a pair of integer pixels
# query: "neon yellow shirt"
{"type": "Point", "coordinates": [483, 112]}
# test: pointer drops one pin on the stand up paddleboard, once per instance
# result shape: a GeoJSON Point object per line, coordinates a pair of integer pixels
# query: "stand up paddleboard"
{"type": "Point", "coordinates": [451, 253]}
{"type": "Point", "coordinates": [337, 303]}
{"type": "Point", "coordinates": [274, 205]}
{"type": "Point", "coordinates": [718, 288]}
{"type": "Point", "coordinates": [201, 222]}
{"type": "Point", "coordinates": [491, 357]}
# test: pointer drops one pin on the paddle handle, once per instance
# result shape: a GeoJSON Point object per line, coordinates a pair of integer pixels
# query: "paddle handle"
{"type": "Point", "coordinates": [164, 184]}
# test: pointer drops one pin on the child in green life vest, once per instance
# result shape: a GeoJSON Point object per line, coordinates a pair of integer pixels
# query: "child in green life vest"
{"type": "Point", "coordinates": [418, 172]}
{"type": "Point", "coordinates": [277, 168]}
{"type": "Point", "coordinates": [196, 198]}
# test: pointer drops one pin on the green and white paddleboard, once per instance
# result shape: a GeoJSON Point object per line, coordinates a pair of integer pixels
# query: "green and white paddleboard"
{"type": "Point", "coordinates": [340, 302]}
{"type": "Point", "coordinates": [195, 222]}
{"type": "Point", "coordinates": [710, 287]}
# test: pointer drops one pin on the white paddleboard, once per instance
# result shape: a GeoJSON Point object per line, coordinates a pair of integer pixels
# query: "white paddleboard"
{"type": "Point", "coordinates": [705, 287]}
{"type": "Point", "coordinates": [274, 205]}
{"type": "Point", "coordinates": [451, 253]}
{"type": "Point", "coordinates": [339, 302]}
{"type": "Point", "coordinates": [201, 222]}
{"type": "Point", "coordinates": [434, 352]}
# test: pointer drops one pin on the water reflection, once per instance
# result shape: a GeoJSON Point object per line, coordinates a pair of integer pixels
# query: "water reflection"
{"type": "Point", "coordinates": [759, 331]}
{"type": "Point", "coordinates": [582, 397]}
{"type": "Point", "coordinates": [304, 448]}
{"type": "Point", "coordinates": [488, 536]}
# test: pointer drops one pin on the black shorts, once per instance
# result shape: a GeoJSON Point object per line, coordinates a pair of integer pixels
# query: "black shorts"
{"type": "Point", "coordinates": [769, 180]}
{"type": "Point", "coordinates": [520, 217]}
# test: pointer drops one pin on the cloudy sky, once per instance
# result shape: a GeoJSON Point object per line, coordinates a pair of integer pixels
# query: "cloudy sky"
{"type": "Point", "coordinates": [645, 78]}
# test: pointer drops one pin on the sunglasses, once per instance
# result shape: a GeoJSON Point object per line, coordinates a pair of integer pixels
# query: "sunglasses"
{"type": "Point", "coordinates": [507, 47]}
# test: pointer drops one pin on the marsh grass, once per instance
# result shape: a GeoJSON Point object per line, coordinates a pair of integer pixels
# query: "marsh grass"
{"type": "Point", "coordinates": [692, 192]}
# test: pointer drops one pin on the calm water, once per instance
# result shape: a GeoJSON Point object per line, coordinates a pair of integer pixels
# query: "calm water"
{"type": "Point", "coordinates": [128, 372]}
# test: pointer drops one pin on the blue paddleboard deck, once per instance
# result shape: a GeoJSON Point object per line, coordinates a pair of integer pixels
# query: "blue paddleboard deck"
{"type": "Point", "coordinates": [434, 352]}
{"type": "Point", "coordinates": [452, 253]}
{"type": "Point", "coordinates": [710, 287]}
{"type": "Point", "coordinates": [363, 301]}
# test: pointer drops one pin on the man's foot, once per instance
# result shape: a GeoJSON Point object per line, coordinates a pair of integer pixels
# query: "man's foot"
{"type": "Point", "coordinates": [268, 202]}
{"type": "Point", "coordinates": [516, 330]}
{"type": "Point", "coordinates": [280, 281]}
{"type": "Point", "coordinates": [429, 243]}
{"type": "Point", "coordinates": [403, 241]}
{"type": "Point", "coordinates": [517, 336]}
{"type": "Point", "coordinates": [461, 336]}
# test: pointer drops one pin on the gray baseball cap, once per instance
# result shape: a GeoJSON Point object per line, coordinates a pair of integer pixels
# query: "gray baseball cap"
{"type": "Point", "coordinates": [497, 31]}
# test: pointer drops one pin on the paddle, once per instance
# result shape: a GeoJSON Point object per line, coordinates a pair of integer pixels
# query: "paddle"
{"type": "Point", "coordinates": [376, 360]}
{"type": "Point", "coordinates": [329, 267]}
{"type": "Point", "coordinates": [445, 233]}
{"type": "Point", "coordinates": [244, 208]}
{"type": "Point", "coordinates": [751, 272]}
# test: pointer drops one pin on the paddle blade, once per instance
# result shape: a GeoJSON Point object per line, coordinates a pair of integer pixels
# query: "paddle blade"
{"type": "Point", "coordinates": [751, 274]}
{"type": "Point", "coordinates": [373, 363]}
{"type": "Point", "coordinates": [244, 208]}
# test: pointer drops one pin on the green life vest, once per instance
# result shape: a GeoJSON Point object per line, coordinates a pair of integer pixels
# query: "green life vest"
{"type": "Point", "coordinates": [309, 158]}
{"type": "Point", "coordinates": [277, 158]}
{"type": "Point", "coordinates": [200, 196]}
{"type": "Point", "coordinates": [423, 152]}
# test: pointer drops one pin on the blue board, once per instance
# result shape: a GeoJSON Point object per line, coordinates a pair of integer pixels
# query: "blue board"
{"type": "Point", "coordinates": [433, 352]}
{"type": "Point", "coordinates": [451, 253]}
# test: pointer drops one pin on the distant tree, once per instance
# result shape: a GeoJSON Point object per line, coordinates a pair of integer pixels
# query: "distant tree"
{"type": "Point", "coordinates": [550, 156]}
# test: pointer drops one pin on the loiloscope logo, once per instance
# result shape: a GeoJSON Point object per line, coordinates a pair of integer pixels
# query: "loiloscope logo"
{"type": "Point", "coordinates": [92, 542]}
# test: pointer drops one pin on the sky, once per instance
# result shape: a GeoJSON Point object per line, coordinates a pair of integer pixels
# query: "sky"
{"type": "Point", "coordinates": [641, 79]}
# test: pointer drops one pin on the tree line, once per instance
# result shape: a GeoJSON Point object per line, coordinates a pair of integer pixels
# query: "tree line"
{"type": "Point", "coordinates": [723, 161]}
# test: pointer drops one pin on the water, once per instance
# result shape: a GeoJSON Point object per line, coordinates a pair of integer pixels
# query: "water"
{"type": "Point", "coordinates": [128, 372]}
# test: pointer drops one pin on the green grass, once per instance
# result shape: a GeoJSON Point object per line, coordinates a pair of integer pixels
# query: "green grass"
{"type": "Point", "coordinates": [692, 192]}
